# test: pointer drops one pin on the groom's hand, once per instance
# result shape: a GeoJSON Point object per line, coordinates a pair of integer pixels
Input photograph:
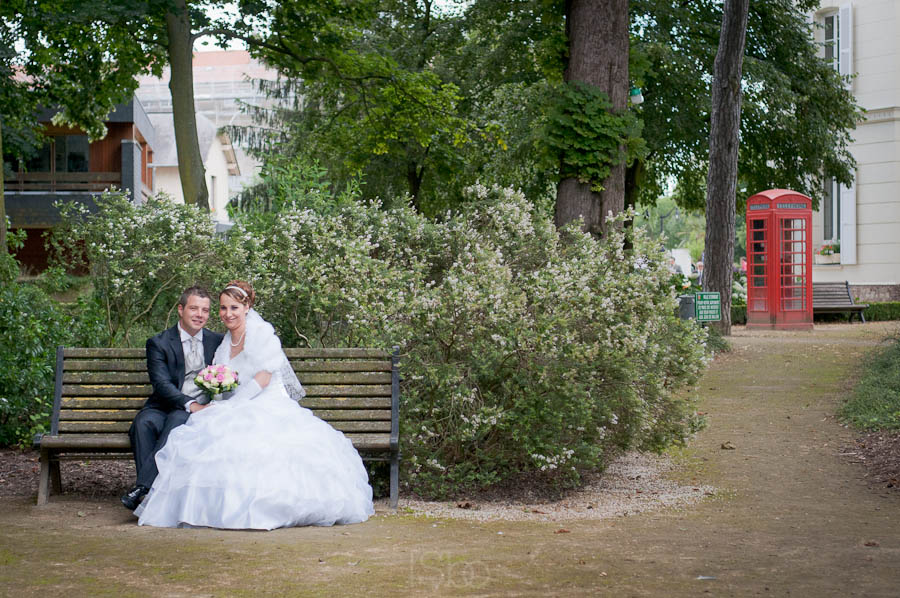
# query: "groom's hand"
{"type": "Point", "coordinates": [195, 407]}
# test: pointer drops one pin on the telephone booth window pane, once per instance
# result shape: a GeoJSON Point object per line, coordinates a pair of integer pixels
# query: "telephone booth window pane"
{"type": "Point", "coordinates": [758, 288]}
{"type": "Point", "coordinates": [793, 264]}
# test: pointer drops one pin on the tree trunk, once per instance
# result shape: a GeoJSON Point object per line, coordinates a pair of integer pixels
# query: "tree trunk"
{"type": "Point", "coordinates": [3, 247]}
{"type": "Point", "coordinates": [597, 31]}
{"type": "Point", "coordinates": [184, 116]}
{"type": "Point", "coordinates": [724, 132]}
{"type": "Point", "coordinates": [414, 175]}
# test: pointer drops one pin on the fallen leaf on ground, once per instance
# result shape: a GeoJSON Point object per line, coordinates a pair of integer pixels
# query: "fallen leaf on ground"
{"type": "Point", "coordinates": [562, 531]}
{"type": "Point", "coordinates": [728, 446]}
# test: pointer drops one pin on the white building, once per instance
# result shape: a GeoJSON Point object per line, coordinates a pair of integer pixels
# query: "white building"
{"type": "Point", "coordinates": [224, 80]}
{"type": "Point", "coordinates": [219, 162]}
{"type": "Point", "coordinates": [863, 38]}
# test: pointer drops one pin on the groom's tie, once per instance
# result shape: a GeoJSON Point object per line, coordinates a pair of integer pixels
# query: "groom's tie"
{"type": "Point", "coordinates": [196, 354]}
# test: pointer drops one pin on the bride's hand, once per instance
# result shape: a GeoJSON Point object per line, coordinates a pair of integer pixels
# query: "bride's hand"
{"type": "Point", "coordinates": [263, 378]}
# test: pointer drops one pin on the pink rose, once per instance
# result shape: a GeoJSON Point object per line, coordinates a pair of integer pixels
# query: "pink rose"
{"type": "Point", "coordinates": [207, 376]}
{"type": "Point", "coordinates": [220, 377]}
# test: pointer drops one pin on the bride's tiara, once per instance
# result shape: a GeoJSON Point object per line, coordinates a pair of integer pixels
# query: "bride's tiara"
{"type": "Point", "coordinates": [242, 291]}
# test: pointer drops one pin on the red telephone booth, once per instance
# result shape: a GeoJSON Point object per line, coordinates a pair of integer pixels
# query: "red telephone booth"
{"type": "Point", "coordinates": [779, 260]}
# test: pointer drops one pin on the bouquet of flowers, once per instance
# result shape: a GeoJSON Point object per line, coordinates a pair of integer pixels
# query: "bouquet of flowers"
{"type": "Point", "coordinates": [216, 379]}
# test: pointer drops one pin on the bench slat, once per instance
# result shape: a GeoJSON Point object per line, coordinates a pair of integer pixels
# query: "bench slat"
{"type": "Point", "coordinates": [106, 377]}
{"type": "Point", "coordinates": [309, 378]}
{"type": "Point", "coordinates": [106, 365]}
{"type": "Point", "coordinates": [87, 441]}
{"type": "Point", "coordinates": [346, 402]}
{"type": "Point", "coordinates": [344, 426]}
{"type": "Point", "coordinates": [131, 390]}
{"type": "Point", "coordinates": [363, 441]}
{"type": "Point", "coordinates": [101, 427]}
{"type": "Point", "coordinates": [97, 415]}
{"type": "Point", "coordinates": [336, 353]}
{"type": "Point", "coordinates": [369, 441]}
{"type": "Point", "coordinates": [104, 353]}
{"type": "Point", "coordinates": [340, 403]}
{"type": "Point", "coordinates": [102, 402]}
{"type": "Point", "coordinates": [340, 366]}
{"type": "Point", "coordinates": [292, 353]}
{"type": "Point", "coordinates": [340, 390]}
{"type": "Point", "coordinates": [333, 415]}
{"type": "Point", "coordinates": [141, 377]}
{"type": "Point", "coordinates": [107, 427]}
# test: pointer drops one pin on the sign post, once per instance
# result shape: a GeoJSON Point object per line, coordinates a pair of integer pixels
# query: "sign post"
{"type": "Point", "coordinates": [708, 307]}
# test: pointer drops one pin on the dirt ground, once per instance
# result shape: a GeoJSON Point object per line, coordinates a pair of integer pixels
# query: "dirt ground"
{"type": "Point", "coordinates": [795, 515]}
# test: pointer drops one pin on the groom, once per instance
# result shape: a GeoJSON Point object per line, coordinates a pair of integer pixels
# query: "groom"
{"type": "Point", "coordinates": [174, 357]}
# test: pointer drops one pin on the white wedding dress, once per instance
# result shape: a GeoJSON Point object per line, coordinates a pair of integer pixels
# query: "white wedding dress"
{"type": "Point", "coordinates": [257, 460]}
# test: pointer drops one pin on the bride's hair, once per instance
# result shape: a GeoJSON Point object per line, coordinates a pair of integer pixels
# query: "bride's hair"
{"type": "Point", "coordinates": [240, 291]}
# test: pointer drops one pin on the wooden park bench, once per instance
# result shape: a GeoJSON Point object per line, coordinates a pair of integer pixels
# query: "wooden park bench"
{"type": "Point", "coordinates": [834, 297]}
{"type": "Point", "coordinates": [99, 391]}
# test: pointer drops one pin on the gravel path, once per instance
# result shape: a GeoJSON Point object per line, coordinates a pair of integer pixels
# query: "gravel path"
{"type": "Point", "coordinates": [634, 483]}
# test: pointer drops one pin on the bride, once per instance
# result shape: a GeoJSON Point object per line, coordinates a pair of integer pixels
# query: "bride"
{"type": "Point", "coordinates": [257, 460]}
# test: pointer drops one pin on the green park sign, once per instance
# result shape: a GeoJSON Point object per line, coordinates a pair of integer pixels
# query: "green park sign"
{"type": "Point", "coordinates": [708, 307]}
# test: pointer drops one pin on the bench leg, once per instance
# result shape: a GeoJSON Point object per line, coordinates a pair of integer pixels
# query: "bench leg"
{"type": "Point", "coordinates": [44, 479]}
{"type": "Point", "coordinates": [55, 477]}
{"type": "Point", "coordinates": [395, 480]}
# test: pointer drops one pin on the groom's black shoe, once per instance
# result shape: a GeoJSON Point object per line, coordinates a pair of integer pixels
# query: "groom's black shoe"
{"type": "Point", "coordinates": [132, 499]}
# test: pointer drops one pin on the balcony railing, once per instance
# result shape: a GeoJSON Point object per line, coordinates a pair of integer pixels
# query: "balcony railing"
{"type": "Point", "coordinates": [62, 181]}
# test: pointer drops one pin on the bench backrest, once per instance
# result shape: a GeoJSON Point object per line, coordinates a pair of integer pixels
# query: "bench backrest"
{"type": "Point", "coordinates": [99, 391]}
{"type": "Point", "coordinates": [831, 294]}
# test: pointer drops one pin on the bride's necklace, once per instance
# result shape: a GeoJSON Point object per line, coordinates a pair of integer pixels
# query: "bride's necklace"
{"type": "Point", "coordinates": [240, 340]}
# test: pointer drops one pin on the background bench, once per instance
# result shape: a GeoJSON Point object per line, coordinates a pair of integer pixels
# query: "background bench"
{"type": "Point", "coordinates": [99, 391]}
{"type": "Point", "coordinates": [834, 297]}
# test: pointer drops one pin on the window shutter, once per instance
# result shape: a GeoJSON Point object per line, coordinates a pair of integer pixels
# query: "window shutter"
{"type": "Point", "coordinates": [845, 52]}
{"type": "Point", "coordinates": [848, 224]}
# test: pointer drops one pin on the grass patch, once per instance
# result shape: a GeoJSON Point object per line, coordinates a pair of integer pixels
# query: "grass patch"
{"type": "Point", "coordinates": [875, 402]}
{"type": "Point", "coordinates": [716, 342]}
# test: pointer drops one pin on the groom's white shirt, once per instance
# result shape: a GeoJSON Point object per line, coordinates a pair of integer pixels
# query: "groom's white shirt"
{"type": "Point", "coordinates": [191, 369]}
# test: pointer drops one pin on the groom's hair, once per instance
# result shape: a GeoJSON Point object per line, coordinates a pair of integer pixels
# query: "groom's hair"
{"type": "Point", "coordinates": [194, 290]}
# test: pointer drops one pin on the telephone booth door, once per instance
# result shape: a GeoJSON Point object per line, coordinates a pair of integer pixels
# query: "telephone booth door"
{"type": "Point", "coordinates": [779, 255]}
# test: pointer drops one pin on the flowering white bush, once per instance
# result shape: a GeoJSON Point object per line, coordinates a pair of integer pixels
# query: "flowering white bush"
{"type": "Point", "coordinates": [140, 257]}
{"type": "Point", "coordinates": [525, 349]}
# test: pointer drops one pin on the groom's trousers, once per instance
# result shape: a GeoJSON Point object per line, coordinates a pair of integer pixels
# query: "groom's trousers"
{"type": "Point", "coordinates": [149, 432]}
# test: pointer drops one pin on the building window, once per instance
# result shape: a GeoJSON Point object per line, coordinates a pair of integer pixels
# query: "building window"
{"type": "Point", "coordinates": [831, 210]}
{"type": "Point", "coordinates": [833, 39]}
{"type": "Point", "coordinates": [63, 153]}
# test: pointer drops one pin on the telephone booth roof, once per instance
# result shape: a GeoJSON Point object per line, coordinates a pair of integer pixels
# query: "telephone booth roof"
{"type": "Point", "coordinates": [784, 195]}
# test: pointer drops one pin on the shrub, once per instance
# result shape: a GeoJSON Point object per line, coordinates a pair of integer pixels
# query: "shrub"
{"type": "Point", "coordinates": [882, 310]}
{"type": "Point", "coordinates": [140, 258]}
{"type": "Point", "coordinates": [524, 350]}
{"type": "Point", "coordinates": [875, 402]}
{"type": "Point", "coordinates": [33, 326]}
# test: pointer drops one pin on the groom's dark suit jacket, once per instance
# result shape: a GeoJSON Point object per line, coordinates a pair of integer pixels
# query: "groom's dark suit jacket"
{"type": "Point", "coordinates": [165, 364]}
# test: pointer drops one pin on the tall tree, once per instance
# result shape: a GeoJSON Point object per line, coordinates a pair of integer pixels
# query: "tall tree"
{"type": "Point", "coordinates": [796, 113]}
{"type": "Point", "coordinates": [180, 52]}
{"type": "Point", "coordinates": [721, 186]}
{"type": "Point", "coordinates": [597, 32]}
{"type": "Point", "coordinates": [50, 59]}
